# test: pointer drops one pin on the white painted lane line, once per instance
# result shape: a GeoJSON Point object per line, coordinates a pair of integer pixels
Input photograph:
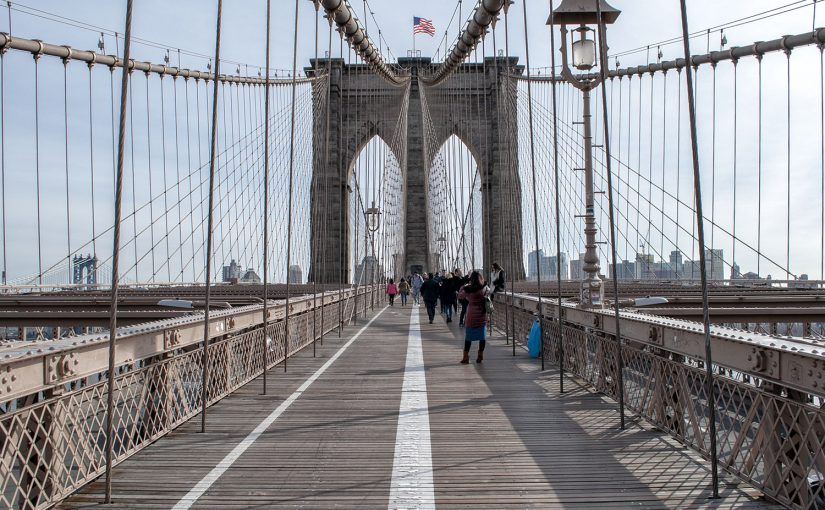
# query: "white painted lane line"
{"type": "Point", "coordinates": [412, 467]}
{"type": "Point", "coordinates": [193, 495]}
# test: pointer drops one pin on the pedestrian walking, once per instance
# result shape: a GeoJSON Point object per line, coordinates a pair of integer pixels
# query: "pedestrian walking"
{"type": "Point", "coordinates": [429, 292]}
{"type": "Point", "coordinates": [404, 290]}
{"type": "Point", "coordinates": [498, 279]}
{"type": "Point", "coordinates": [475, 329]}
{"type": "Point", "coordinates": [392, 290]}
{"type": "Point", "coordinates": [463, 280]}
{"type": "Point", "coordinates": [447, 296]}
{"type": "Point", "coordinates": [415, 282]}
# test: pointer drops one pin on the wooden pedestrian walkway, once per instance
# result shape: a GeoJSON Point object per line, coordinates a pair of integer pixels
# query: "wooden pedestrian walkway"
{"type": "Point", "coordinates": [492, 436]}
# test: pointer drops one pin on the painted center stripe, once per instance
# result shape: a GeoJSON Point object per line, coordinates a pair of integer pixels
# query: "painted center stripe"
{"type": "Point", "coordinates": [412, 469]}
{"type": "Point", "coordinates": [207, 481]}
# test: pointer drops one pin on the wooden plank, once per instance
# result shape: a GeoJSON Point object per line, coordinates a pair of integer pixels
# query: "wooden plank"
{"type": "Point", "coordinates": [501, 438]}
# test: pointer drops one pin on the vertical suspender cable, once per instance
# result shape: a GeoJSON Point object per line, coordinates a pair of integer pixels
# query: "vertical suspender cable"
{"type": "Point", "coordinates": [149, 172]}
{"type": "Point", "coordinates": [291, 178]}
{"type": "Point", "coordinates": [66, 161]}
{"type": "Point", "coordinates": [265, 212]}
{"type": "Point", "coordinates": [3, 156]}
{"type": "Point", "coordinates": [510, 159]}
{"type": "Point", "coordinates": [314, 221]}
{"type": "Point", "coordinates": [3, 147]}
{"type": "Point", "coordinates": [821, 167]}
{"type": "Point", "coordinates": [735, 161]}
{"type": "Point", "coordinates": [713, 168]}
{"type": "Point", "coordinates": [37, 163]}
{"type": "Point", "coordinates": [560, 310]}
{"type": "Point", "coordinates": [697, 189]}
{"type": "Point", "coordinates": [608, 165]}
{"type": "Point", "coordinates": [342, 257]}
{"type": "Point", "coordinates": [533, 174]}
{"type": "Point", "coordinates": [325, 204]}
{"type": "Point", "coordinates": [500, 95]}
{"type": "Point", "coordinates": [759, 171]}
{"type": "Point", "coordinates": [165, 181]}
{"type": "Point", "coordinates": [788, 217]}
{"type": "Point", "coordinates": [213, 147]}
{"type": "Point", "coordinates": [110, 389]}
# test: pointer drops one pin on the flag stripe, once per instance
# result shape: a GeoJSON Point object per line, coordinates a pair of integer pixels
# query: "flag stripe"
{"type": "Point", "coordinates": [423, 26]}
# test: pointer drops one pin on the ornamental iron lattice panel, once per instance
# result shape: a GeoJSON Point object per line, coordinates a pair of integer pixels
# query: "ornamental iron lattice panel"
{"type": "Point", "coordinates": [768, 436]}
{"type": "Point", "coordinates": [53, 447]}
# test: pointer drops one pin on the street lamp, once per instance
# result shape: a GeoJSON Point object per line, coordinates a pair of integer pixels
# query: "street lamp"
{"type": "Point", "coordinates": [373, 216]}
{"type": "Point", "coordinates": [442, 247]}
{"type": "Point", "coordinates": [582, 13]}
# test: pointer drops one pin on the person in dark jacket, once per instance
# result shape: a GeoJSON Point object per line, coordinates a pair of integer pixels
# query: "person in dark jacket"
{"type": "Point", "coordinates": [498, 278]}
{"type": "Point", "coordinates": [447, 296]}
{"type": "Point", "coordinates": [429, 291]}
{"type": "Point", "coordinates": [462, 281]}
{"type": "Point", "coordinates": [475, 293]}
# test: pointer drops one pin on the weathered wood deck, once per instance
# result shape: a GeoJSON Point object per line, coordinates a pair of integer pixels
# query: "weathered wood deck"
{"type": "Point", "coordinates": [500, 437]}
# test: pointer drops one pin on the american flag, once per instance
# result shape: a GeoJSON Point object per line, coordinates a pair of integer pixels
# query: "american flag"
{"type": "Point", "coordinates": [423, 26]}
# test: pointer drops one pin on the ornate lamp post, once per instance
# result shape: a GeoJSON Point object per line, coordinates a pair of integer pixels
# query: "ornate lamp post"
{"type": "Point", "coordinates": [584, 58]}
{"type": "Point", "coordinates": [442, 247]}
{"type": "Point", "coordinates": [373, 217]}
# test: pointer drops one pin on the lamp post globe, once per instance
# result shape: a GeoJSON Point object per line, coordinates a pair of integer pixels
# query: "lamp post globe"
{"type": "Point", "coordinates": [584, 50]}
{"type": "Point", "coordinates": [373, 215]}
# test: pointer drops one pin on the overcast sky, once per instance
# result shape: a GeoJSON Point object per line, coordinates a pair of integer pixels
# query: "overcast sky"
{"type": "Point", "coordinates": [189, 25]}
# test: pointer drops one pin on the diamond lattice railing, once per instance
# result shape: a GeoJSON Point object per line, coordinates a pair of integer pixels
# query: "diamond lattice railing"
{"type": "Point", "coordinates": [52, 448]}
{"type": "Point", "coordinates": [771, 437]}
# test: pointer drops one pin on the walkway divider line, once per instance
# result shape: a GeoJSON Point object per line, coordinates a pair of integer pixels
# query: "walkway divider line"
{"type": "Point", "coordinates": [412, 467]}
{"type": "Point", "coordinates": [206, 482]}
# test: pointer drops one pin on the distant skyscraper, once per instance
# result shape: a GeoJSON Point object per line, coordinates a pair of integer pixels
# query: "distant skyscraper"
{"type": "Point", "coordinates": [644, 267]}
{"type": "Point", "coordinates": [295, 274]}
{"type": "Point", "coordinates": [577, 268]}
{"type": "Point", "coordinates": [535, 260]}
{"type": "Point", "coordinates": [548, 266]}
{"type": "Point", "coordinates": [676, 264]}
{"type": "Point", "coordinates": [714, 262]}
{"type": "Point", "coordinates": [626, 270]}
{"type": "Point", "coordinates": [232, 272]}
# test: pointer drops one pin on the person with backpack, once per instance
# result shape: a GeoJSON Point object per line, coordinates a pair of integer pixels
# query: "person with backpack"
{"type": "Point", "coordinates": [475, 324]}
{"type": "Point", "coordinates": [404, 290]}
{"type": "Point", "coordinates": [429, 291]}
{"type": "Point", "coordinates": [392, 290]}
{"type": "Point", "coordinates": [447, 296]}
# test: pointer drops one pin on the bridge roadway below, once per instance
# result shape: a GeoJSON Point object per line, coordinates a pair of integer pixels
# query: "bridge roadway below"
{"type": "Point", "coordinates": [496, 435]}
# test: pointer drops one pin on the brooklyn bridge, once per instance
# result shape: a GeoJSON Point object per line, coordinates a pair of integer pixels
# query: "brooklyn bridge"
{"type": "Point", "coordinates": [206, 210]}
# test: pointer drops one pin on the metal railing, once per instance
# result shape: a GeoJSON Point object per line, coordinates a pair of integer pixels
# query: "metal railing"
{"type": "Point", "coordinates": [769, 433]}
{"type": "Point", "coordinates": [53, 437]}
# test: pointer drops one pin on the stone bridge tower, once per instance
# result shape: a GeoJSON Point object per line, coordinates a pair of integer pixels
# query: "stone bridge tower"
{"type": "Point", "coordinates": [363, 105]}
